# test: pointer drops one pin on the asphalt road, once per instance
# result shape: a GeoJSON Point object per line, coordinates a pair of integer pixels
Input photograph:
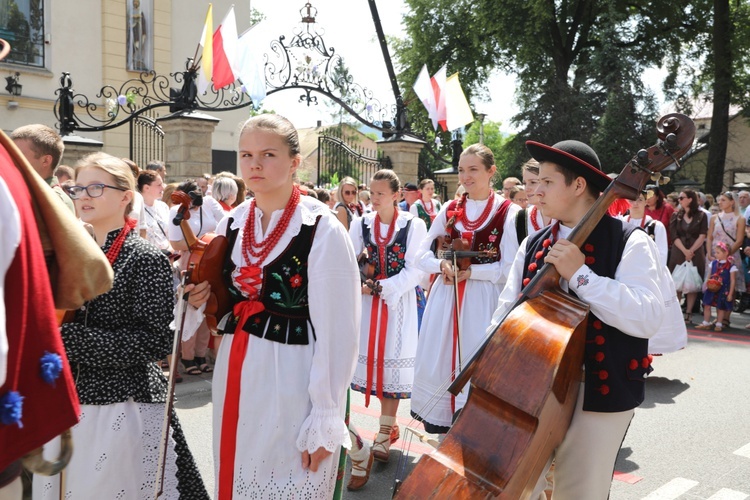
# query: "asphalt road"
{"type": "Point", "coordinates": [689, 440]}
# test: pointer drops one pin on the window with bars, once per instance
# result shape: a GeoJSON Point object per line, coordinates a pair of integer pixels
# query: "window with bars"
{"type": "Point", "coordinates": [22, 25]}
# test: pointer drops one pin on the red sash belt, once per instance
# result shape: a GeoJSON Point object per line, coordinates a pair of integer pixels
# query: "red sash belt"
{"type": "Point", "coordinates": [378, 315]}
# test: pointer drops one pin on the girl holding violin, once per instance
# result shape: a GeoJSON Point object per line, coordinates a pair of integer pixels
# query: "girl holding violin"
{"type": "Point", "coordinates": [288, 353]}
{"type": "Point", "coordinates": [462, 300]}
{"type": "Point", "coordinates": [388, 335]}
{"type": "Point", "coordinates": [114, 344]}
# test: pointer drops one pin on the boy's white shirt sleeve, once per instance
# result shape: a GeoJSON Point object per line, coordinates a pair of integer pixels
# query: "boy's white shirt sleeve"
{"type": "Point", "coordinates": [636, 287]}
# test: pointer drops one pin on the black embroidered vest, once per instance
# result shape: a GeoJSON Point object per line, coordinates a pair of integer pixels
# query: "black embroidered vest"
{"type": "Point", "coordinates": [395, 253]}
{"type": "Point", "coordinates": [488, 237]}
{"type": "Point", "coordinates": [616, 364]}
{"type": "Point", "coordinates": [283, 292]}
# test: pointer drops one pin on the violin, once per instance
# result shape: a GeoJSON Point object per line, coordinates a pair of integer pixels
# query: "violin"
{"type": "Point", "coordinates": [367, 273]}
{"type": "Point", "coordinates": [525, 377]}
{"type": "Point", "coordinates": [206, 261]}
{"type": "Point", "coordinates": [457, 251]}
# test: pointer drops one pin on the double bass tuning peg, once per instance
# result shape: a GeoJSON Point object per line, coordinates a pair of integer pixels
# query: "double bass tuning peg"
{"type": "Point", "coordinates": [659, 179]}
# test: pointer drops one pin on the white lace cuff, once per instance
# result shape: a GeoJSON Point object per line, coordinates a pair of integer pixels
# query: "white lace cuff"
{"type": "Point", "coordinates": [193, 319]}
{"type": "Point", "coordinates": [323, 428]}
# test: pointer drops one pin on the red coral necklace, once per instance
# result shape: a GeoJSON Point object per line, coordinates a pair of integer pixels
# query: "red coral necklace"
{"type": "Point", "coordinates": [473, 225]}
{"type": "Point", "coordinates": [268, 244]}
{"type": "Point", "coordinates": [382, 242]}
{"type": "Point", "coordinates": [534, 223]}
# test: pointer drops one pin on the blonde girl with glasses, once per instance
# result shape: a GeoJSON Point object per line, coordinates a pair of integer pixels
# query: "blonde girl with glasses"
{"type": "Point", "coordinates": [114, 345]}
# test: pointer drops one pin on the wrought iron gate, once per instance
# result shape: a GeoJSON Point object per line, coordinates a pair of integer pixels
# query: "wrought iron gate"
{"type": "Point", "coordinates": [338, 159]}
{"type": "Point", "coordinates": [146, 139]}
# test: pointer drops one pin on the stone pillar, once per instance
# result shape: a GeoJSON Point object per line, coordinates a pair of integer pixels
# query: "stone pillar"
{"type": "Point", "coordinates": [76, 147]}
{"type": "Point", "coordinates": [450, 177]}
{"type": "Point", "coordinates": [404, 154]}
{"type": "Point", "coordinates": [187, 142]}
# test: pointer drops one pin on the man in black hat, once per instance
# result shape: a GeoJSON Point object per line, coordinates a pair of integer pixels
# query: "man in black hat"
{"type": "Point", "coordinates": [411, 194]}
{"type": "Point", "coordinates": [617, 273]}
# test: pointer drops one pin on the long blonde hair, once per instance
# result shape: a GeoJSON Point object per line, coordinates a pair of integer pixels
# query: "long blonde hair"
{"type": "Point", "coordinates": [115, 167]}
{"type": "Point", "coordinates": [346, 181]}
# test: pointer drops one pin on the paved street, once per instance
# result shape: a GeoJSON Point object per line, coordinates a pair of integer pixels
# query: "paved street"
{"type": "Point", "coordinates": [689, 440]}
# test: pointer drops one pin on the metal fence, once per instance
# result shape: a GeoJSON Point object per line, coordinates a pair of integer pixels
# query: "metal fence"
{"type": "Point", "coordinates": [146, 139]}
{"type": "Point", "coordinates": [339, 158]}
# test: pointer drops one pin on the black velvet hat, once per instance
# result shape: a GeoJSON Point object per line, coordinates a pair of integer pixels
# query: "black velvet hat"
{"type": "Point", "coordinates": [575, 156]}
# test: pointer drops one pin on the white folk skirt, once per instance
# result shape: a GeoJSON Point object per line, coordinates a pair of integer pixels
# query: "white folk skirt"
{"type": "Point", "coordinates": [115, 455]}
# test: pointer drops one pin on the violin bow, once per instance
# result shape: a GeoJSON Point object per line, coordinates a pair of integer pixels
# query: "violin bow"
{"type": "Point", "coordinates": [176, 342]}
{"type": "Point", "coordinates": [457, 308]}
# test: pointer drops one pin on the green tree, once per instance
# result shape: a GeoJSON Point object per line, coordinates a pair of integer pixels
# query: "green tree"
{"type": "Point", "coordinates": [573, 59]}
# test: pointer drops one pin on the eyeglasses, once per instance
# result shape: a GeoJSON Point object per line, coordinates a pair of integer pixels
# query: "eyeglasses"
{"type": "Point", "coordinates": [681, 197]}
{"type": "Point", "coordinates": [729, 195]}
{"type": "Point", "coordinates": [93, 190]}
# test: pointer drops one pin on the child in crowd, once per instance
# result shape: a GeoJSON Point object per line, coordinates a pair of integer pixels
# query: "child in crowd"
{"type": "Point", "coordinates": [719, 289]}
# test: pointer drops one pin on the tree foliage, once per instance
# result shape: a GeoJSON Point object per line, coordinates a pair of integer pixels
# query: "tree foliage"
{"type": "Point", "coordinates": [578, 62]}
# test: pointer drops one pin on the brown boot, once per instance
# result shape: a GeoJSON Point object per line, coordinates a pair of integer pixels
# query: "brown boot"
{"type": "Point", "coordinates": [360, 469]}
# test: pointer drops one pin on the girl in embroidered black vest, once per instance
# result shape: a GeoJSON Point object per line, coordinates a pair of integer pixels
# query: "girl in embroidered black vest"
{"type": "Point", "coordinates": [388, 336]}
{"type": "Point", "coordinates": [487, 221]}
{"type": "Point", "coordinates": [289, 347]}
{"type": "Point", "coordinates": [426, 207]}
{"type": "Point", "coordinates": [619, 275]}
{"type": "Point", "coordinates": [114, 345]}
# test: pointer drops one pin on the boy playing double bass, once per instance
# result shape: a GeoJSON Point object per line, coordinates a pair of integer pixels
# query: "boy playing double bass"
{"type": "Point", "coordinates": [615, 271]}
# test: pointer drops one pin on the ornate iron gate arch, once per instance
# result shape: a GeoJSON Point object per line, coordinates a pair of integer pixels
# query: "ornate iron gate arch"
{"type": "Point", "coordinates": [304, 63]}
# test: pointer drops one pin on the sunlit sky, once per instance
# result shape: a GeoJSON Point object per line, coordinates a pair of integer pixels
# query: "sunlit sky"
{"type": "Point", "coordinates": [347, 26]}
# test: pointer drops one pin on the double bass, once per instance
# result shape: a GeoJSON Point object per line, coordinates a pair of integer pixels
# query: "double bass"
{"type": "Point", "coordinates": [525, 377]}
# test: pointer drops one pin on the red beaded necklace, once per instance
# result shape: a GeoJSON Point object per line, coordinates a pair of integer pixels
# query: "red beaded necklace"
{"type": "Point", "coordinates": [268, 244]}
{"type": "Point", "coordinates": [533, 214]}
{"type": "Point", "coordinates": [114, 250]}
{"type": "Point", "coordinates": [431, 209]}
{"type": "Point", "coordinates": [382, 242]}
{"type": "Point", "coordinates": [473, 225]}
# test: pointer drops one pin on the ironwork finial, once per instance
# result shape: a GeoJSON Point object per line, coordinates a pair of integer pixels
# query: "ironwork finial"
{"type": "Point", "coordinates": [309, 16]}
